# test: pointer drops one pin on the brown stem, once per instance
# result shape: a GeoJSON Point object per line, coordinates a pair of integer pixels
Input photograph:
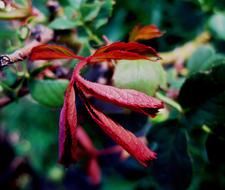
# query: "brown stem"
{"type": "Point", "coordinates": [43, 35]}
{"type": "Point", "coordinates": [185, 51]}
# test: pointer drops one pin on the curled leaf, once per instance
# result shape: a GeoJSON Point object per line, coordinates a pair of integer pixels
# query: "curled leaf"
{"type": "Point", "coordinates": [145, 33]}
{"type": "Point", "coordinates": [49, 51]}
{"type": "Point", "coordinates": [117, 55]}
{"type": "Point", "coordinates": [128, 98]}
{"type": "Point", "coordinates": [121, 136]}
{"type": "Point", "coordinates": [67, 129]}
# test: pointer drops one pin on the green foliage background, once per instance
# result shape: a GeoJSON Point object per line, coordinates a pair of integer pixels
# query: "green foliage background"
{"type": "Point", "coordinates": [189, 137]}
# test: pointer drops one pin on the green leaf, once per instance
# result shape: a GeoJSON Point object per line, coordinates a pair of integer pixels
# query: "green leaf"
{"type": "Point", "coordinates": [198, 58]}
{"type": "Point", "coordinates": [62, 23]}
{"type": "Point", "coordinates": [172, 169]}
{"type": "Point", "coordinates": [217, 25]}
{"type": "Point", "coordinates": [37, 133]}
{"type": "Point", "coordinates": [89, 11]}
{"type": "Point", "coordinates": [104, 14]}
{"type": "Point", "coordinates": [48, 92]}
{"type": "Point", "coordinates": [141, 75]}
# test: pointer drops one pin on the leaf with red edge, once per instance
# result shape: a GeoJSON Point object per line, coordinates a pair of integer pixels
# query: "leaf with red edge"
{"type": "Point", "coordinates": [128, 98]}
{"type": "Point", "coordinates": [94, 171]}
{"type": "Point", "coordinates": [67, 129]}
{"type": "Point", "coordinates": [134, 146]}
{"type": "Point", "coordinates": [85, 141]}
{"type": "Point", "coordinates": [49, 51]}
{"type": "Point", "coordinates": [117, 55]}
{"type": "Point", "coordinates": [130, 47]}
{"type": "Point", "coordinates": [145, 33]}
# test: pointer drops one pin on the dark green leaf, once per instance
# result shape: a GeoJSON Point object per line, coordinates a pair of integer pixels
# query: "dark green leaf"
{"type": "Point", "coordinates": [215, 143]}
{"type": "Point", "coordinates": [141, 75]}
{"type": "Point", "coordinates": [172, 169]}
{"type": "Point", "coordinates": [197, 151]}
{"type": "Point", "coordinates": [204, 96]}
{"type": "Point", "coordinates": [48, 92]}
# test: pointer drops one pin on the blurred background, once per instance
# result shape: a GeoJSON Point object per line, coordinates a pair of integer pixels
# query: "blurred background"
{"type": "Point", "coordinates": [188, 135]}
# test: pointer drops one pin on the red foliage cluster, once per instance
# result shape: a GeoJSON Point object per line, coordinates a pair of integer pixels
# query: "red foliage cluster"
{"type": "Point", "coordinates": [127, 98]}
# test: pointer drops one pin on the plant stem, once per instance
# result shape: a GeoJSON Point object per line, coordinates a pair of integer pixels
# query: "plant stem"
{"type": "Point", "coordinates": [185, 51]}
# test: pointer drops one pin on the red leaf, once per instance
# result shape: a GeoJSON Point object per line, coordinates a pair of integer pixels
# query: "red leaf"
{"type": "Point", "coordinates": [117, 55]}
{"type": "Point", "coordinates": [130, 47]}
{"type": "Point", "coordinates": [145, 33]}
{"type": "Point", "coordinates": [85, 141]}
{"type": "Point", "coordinates": [121, 136]}
{"type": "Point", "coordinates": [128, 98]}
{"type": "Point", "coordinates": [94, 171]}
{"type": "Point", "coordinates": [67, 128]}
{"type": "Point", "coordinates": [48, 52]}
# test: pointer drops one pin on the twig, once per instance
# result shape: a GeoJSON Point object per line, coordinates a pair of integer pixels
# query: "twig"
{"type": "Point", "coordinates": [42, 35]}
{"type": "Point", "coordinates": [45, 34]}
{"type": "Point", "coordinates": [185, 51]}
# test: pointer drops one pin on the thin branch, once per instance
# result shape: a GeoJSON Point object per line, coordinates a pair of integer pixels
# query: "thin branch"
{"type": "Point", "coordinates": [45, 34]}
{"type": "Point", "coordinates": [185, 51]}
{"type": "Point", "coordinates": [42, 35]}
